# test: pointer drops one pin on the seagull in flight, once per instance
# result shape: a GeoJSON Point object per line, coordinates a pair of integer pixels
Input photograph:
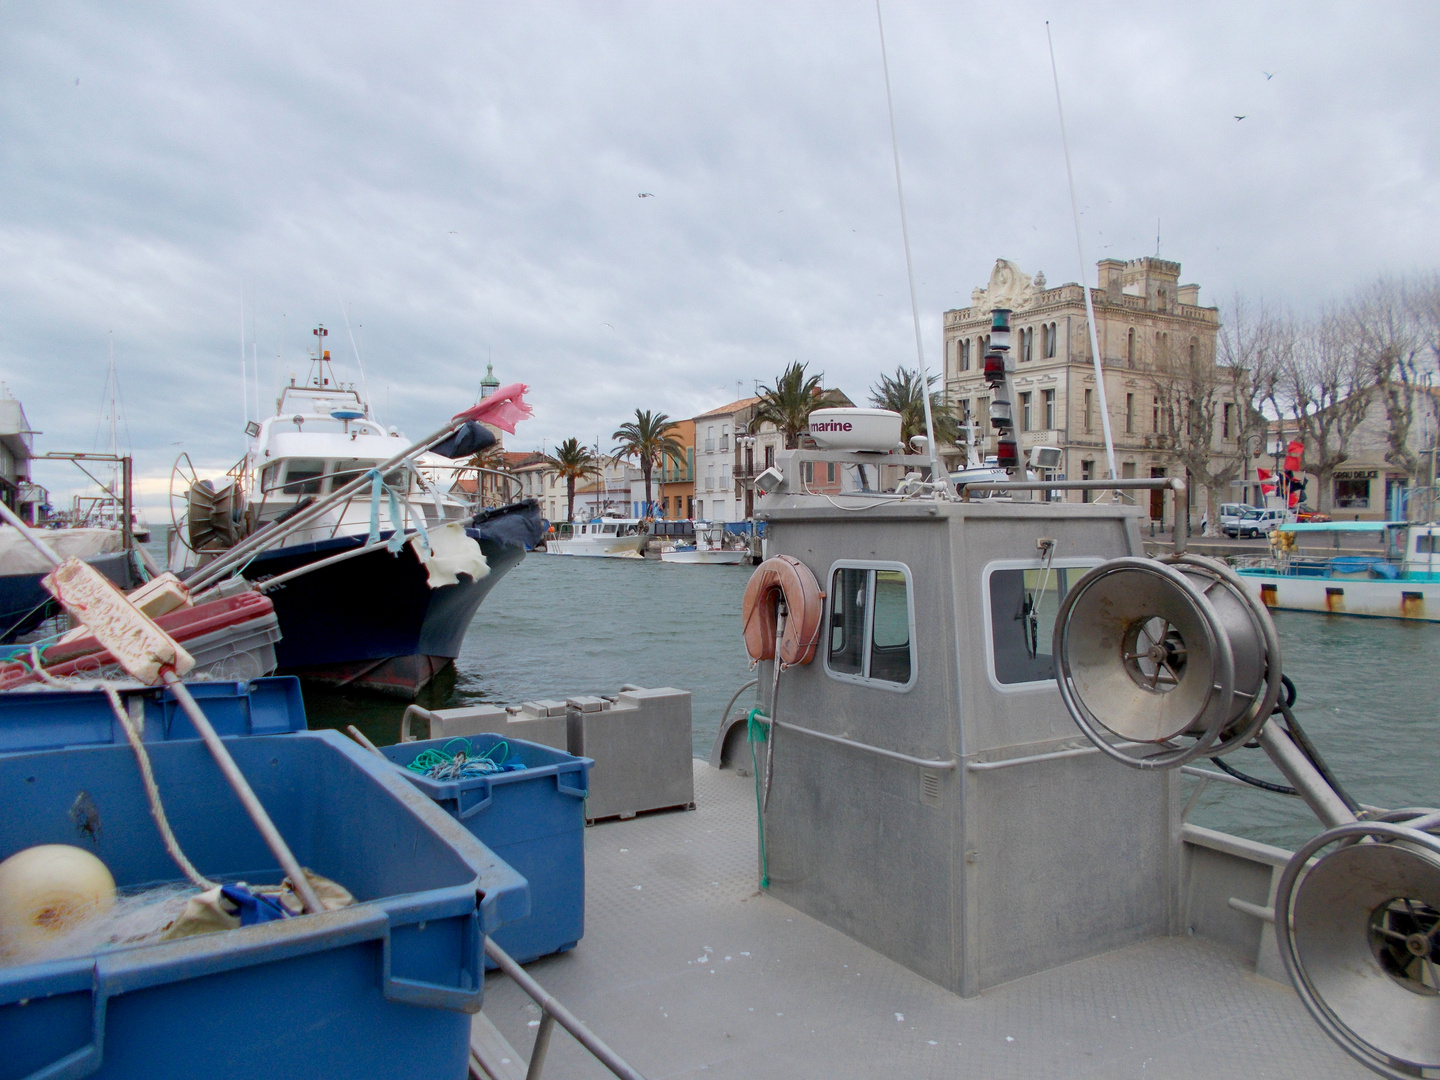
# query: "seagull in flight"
{"type": "Point", "coordinates": [1268, 75]}
{"type": "Point", "coordinates": [645, 195]}
{"type": "Point", "coordinates": [1241, 117]}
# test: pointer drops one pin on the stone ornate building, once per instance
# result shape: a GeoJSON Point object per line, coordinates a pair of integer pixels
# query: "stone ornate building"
{"type": "Point", "coordinates": [1146, 322]}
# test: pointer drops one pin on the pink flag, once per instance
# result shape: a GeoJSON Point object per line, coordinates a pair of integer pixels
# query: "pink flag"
{"type": "Point", "coordinates": [504, 408]}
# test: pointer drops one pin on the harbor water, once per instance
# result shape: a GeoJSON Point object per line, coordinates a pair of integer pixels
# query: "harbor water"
{"type": "Point", "coordinates": [1369, 693]}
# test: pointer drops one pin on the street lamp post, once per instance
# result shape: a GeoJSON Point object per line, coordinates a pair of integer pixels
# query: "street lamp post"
{"type": "Point", "coordinates": [1245, 458]}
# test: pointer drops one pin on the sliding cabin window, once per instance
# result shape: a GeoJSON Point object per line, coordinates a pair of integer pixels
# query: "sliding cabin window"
{"type": "Point", "coordinates": [870, 625]}
{"type": "Point", "coordinates": [1023, 602]}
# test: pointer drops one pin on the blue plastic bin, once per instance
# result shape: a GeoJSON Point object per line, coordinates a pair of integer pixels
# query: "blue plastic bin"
{"type": "Point", "coordinates": [534, 819]}
{"type": "Point", "coordinates": [43, 719]}
{"type": "Point", "coordinates": [383, 988]}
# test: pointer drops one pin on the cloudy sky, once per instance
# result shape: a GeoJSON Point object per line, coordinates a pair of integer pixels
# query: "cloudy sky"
{"type": "Point", "coordinates": [460, 182]}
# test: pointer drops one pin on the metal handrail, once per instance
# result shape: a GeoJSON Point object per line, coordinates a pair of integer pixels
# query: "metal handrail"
{"type": "Point", "coordinates": [551, 1011]}
{"type": "Point", "coordinates": [854, 744]}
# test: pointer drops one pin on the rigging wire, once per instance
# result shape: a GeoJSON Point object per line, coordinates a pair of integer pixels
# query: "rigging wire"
{"type": "Point", "coordinates": [244, 373]}
{"type": "Point", "coordinates": [1084, 276]}
{"type": "Point", "coordinates": [938, 476]}
{"type": "Point", "coordinates": [360, 363]}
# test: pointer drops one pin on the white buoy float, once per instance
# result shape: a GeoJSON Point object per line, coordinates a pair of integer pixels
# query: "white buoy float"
{"type": "Point", "coordinates": [47, 891]}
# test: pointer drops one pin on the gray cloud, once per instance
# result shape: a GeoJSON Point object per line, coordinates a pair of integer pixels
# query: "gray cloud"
{"type": "Point", "coordinates": [461, 180]}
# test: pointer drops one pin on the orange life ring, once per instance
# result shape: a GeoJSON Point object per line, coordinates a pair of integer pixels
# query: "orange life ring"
{"type": "Point", "coordinates": [781, 575]}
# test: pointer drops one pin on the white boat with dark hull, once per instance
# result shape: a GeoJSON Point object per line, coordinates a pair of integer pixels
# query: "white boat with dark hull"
{"type": "Point", "coordinates": [709, 549]}
{"type": "Point", "coordinates": [376, 591]}
{"type": "Point", "coordinates": [1401, 583]}
{"type": "Point", "coordinates": [601, 538]}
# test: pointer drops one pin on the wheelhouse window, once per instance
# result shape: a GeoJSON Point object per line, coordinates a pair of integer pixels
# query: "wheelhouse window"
{"type": "Point", "coordinates": [303, 476]}
{"type": "Point", "coordinates": [1023, 605]}
{"type": "Point", "coordinates": [870, 625]}
{"type": "Point", "coordinates": [347, 471]}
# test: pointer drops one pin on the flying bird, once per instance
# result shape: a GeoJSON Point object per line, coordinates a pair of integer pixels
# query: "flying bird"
{"type": "Point", "coordinates": [1268, 75]}
{"type": "Point", "coordinates": [645, 195]}
{"type": "Point", "coordinates": [1241, 117]}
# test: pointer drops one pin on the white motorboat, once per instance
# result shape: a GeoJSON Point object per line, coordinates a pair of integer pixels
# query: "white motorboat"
{"type": "Point", "coordinates": [381, 586]}
{"type": "Point", "coordinates": [603, 538]}
{"type": "Point", "coordinates": [709, 549]}
{"type": "Point", "coordinates": [1403, 583]}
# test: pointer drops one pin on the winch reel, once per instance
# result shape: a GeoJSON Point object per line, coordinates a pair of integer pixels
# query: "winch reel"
{"type": "Point", "coordinates": [1163, 661]}
{"type": "Point", "coordinates": [1359, 933]}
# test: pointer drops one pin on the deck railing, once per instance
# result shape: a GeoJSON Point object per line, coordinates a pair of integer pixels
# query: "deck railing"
{"type": "Point", "coordinates": [485, 1065]}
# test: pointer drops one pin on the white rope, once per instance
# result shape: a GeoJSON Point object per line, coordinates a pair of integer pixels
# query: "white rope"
{"type": "Point", "coordinates": [147, 775]}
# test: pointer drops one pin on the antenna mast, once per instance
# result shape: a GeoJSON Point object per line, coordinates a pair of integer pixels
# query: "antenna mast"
{"type": "Point", "coordinates": [1084, 278]}
{"type": "Point", "coordinates": [938, 476]}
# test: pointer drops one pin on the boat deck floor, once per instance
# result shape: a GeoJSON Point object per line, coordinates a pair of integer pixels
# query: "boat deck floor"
{"type": "Point", "coordinates": [687, 969]}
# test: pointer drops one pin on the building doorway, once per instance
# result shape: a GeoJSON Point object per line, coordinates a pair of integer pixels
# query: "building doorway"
{"type": "Point", "coordinates": [1157, 496]}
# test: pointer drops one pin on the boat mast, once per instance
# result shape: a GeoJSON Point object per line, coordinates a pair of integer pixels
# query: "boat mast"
{"type": "Point", "coordinates": [322, 375]}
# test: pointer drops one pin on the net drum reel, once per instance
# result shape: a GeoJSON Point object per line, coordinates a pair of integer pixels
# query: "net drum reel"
{"type": "Point", "coordinates": [1162, 661]}
{"type": "Point", "coordinates": [1357, 920]}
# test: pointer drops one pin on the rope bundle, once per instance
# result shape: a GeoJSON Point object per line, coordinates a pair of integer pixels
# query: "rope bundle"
{"type": "Point", "coordinates": [443, 764]}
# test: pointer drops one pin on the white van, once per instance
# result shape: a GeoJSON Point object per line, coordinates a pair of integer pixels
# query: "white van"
{"type": "Point", "coordinates": [1257, 522]}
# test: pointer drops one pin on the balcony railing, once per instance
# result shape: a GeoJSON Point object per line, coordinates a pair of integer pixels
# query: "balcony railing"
{"type": "Point", "coordinates": [724, 443]}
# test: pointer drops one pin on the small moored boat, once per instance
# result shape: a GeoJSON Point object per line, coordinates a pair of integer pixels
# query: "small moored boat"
{"type": "Point", "coordinates": [1401, 583]}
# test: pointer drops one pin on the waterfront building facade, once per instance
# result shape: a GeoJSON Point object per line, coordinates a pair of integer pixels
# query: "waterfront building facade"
{"type": "Point", "coordinates": [673, 482]}
{"type": "Point", "coordinates": [717, 490]}
{"type": "Point", "coordinates": [1370, 484]}
{"type": "Point", "coordinates": [1149, 327]}
{"type": "Point", "coordinates": [16, 450]}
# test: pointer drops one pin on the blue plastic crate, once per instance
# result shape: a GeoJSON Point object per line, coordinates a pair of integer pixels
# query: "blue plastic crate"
{"type": "Point", "coordinates": [383, 988]}
{"type": "Point", "coordinates": [43, 719]}
{"type": "Point", "coordinates": [534, 819]}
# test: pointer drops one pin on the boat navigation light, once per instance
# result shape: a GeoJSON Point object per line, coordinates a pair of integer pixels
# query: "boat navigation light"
{"type": "Point", "coordinates": [1000, 329]}
{"type": "Point", "coordinates": [995, 368]}
{"type": "Point", "coordinates": [1007, 454]}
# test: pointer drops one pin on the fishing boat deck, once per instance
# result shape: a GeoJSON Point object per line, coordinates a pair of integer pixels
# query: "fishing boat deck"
{"type": "Point", "coordinates": [686, 968]}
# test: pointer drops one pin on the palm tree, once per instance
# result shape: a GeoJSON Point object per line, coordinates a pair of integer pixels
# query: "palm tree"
{"type": "Point", "coordinates": [789, 403]}
{"type": "Point", "coordinates": [647, 439]}
{"type": "Point", "coordinates": [573, 462]}
{"type": "Point", "coordinates": [902, 394]}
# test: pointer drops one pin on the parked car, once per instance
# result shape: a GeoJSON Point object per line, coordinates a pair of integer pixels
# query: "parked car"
{"type": "Point", "coordinates": [1229, 515]}
{"type": "Point", "coordinates": [1257, 522]}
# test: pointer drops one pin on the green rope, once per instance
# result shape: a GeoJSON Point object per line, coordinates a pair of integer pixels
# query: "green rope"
{"type": "Point", "coordinates": [488, 762]}
{"type": "Point", "coordinates": [757, 732]}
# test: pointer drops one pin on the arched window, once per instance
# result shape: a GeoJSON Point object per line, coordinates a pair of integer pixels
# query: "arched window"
{"type": "Point", "coordinates": [964, 346]}
{"type": "Point", "coordinates": [1194, 346]}
{"type": "Point", "coordinates": [1130, 349]}
{"type": "Point", "coordinates": [1047, 339]}
{"type": "Point", "coordinates": [1027, 344]}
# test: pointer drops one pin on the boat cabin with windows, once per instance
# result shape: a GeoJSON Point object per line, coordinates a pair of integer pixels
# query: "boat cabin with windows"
{"type": "Point", "coordinates": [930, 795]}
